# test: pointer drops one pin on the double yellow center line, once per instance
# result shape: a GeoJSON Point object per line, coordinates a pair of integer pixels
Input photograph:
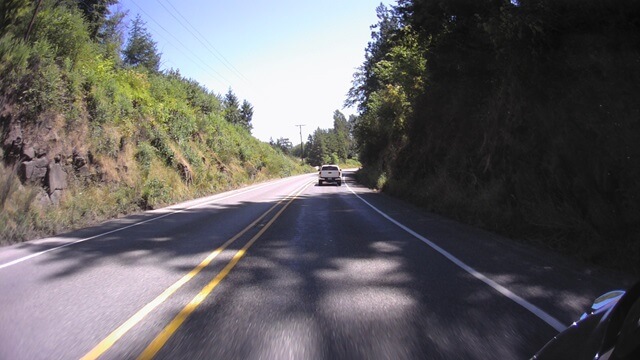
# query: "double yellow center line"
{"type": "Point", "coordinates": [157, 343]}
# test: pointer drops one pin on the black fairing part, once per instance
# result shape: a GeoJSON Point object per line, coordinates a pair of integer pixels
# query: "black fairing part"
{"type": "Point", "coordinates": [627, 345]}
{"type": "Point", "coordinates": [613, 327]}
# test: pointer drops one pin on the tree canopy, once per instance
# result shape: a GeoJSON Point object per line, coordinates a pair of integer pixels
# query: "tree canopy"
{"type": "Point", "coordinates": [96, 13]}
{"type": "Point", "coordinates": [235, 113]}
{"type": "Point", "coordinates": [333, 145]}
{"type": "Point", "coordinates": [141, 48]}
{"type": "Point", "coordinates": [520, 116]}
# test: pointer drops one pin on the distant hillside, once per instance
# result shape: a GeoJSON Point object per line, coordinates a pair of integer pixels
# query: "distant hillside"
{"type": "Point", "coordinates": [86, 135]}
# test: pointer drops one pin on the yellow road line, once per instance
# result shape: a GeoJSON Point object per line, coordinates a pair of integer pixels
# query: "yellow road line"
{"type": "Point", "coordinates": [162, 338]}
{"type": "Point", "coordinates": [111, 339]}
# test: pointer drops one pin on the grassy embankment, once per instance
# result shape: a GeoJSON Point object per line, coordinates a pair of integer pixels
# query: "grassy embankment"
{"type": "Point", "coordinates": [148, 139]}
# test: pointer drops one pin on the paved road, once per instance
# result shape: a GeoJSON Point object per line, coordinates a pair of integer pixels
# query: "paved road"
{"type": "Point", "coordinates": [286, 270]}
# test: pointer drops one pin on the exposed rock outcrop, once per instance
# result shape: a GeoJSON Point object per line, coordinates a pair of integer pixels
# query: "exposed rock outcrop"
{"type": "Point", "coordinates": [28, 153]}
{"type": "Point", "coordinates": [56, 177]}
{"type": "Point", "coordinates": [13, 140]}
{"type": "Point", "coordinates": [34, 171]}
{"type": "Point", "coordinates": [56, 181]}
{"type": "Point", "coordinates": [80, 165]}
{"type": "Point", "coordinates": [30, 145]}
{"type": "Point", "coordinates": [185, 173]}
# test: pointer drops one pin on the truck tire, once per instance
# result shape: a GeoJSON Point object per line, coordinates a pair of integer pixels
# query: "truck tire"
{"type": "Point", "coordinates": [319, 182]}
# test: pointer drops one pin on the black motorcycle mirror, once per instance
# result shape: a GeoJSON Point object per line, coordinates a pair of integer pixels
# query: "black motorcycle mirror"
{"type": "Point", "coordinates": [602, 301]}
{"type": "Point", "coordinates": [609, 330]}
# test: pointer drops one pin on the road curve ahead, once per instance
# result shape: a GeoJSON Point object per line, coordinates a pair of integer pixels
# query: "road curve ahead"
{"type": "Point", "coordinates": [286, 270]}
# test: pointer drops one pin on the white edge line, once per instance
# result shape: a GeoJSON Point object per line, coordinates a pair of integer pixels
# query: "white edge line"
{"type": "Point", "coordinates": [207, 202]}
{"type": "Point", "coordinates": [544, 316]}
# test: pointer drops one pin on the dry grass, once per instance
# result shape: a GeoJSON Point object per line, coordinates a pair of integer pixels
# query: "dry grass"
{"type": "Point", "coordinates": [17, 210]}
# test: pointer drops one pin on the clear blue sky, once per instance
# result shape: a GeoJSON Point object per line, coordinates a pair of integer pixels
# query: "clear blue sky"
{"type": "Point", "coordinates": [292, 60]}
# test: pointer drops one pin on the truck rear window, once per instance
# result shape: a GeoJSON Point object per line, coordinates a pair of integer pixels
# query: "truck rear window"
{"type": "Point", "coordinates": [330, 168]}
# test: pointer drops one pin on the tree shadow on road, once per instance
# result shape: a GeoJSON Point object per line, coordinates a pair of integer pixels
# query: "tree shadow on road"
{"type": "Point", "coordinates": [329, 279]}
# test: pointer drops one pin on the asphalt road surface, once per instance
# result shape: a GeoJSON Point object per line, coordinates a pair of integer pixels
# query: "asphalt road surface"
{"type": "Point", "coordinates": [287, 270]}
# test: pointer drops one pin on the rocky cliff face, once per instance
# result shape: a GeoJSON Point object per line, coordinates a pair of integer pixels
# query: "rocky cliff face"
{"type": "Point", "coordinates": [47, 152]}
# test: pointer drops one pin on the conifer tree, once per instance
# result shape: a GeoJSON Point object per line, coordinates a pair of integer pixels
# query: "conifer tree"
{"type": "Point", "coordinates": [141, 49]}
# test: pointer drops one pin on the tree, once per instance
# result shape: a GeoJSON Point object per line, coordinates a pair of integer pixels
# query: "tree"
{"type": "Point", "coordinates": [316, 148]}
{"type": "Point", "coordinates": [385, 88]}
{"type": "Point", "coordinates": [246, 114]}
{"type": "Point", "coordinates": [330, 145]}
{"type": "Point", "coordinates": [365, 81]}
{"type": "Point", "coordinates": [96, 13]}
{"type": "Point", "coordinates": [525, 109]}
{"type": "Point", "coordinates": [284, 144]}
{"type": "Point", "coordinates": [341, 135]}
{"type": "Point", "coordinates": [236, 114]}
{"type": "Point", "coordinates": [353, 147]}
{"type": "Point", "coordinates": [141, 49]}
{"type": "Point", "coordinates": [111, 35]}
{"type": "Point", "coordinates": [231, 108]}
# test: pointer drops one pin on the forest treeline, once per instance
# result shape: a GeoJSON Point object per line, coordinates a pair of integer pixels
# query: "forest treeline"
{"type": "Point", "coordinates": [92, 128]}
{"type": "Point", "coordinates": [519, 116]}
{"type": "Point", "coordinates": [325, 146]}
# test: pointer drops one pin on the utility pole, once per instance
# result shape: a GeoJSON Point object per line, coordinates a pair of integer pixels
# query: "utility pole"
{"type": "Point", "coordinates": [301, 144]}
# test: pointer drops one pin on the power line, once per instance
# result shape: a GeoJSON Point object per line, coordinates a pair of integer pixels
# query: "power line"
{"type": "Point", "coordinates": [301, 143]}
{"type": "Point", "coordinates": [217, 77]}
{"type": "Point", "coordinates": [208, 45]}
{"type": "Point", "coordinates": [180, 42]}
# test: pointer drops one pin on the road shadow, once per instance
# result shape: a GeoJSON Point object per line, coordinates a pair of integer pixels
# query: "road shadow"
{"type": "Point", "coordinates": [333, 279]}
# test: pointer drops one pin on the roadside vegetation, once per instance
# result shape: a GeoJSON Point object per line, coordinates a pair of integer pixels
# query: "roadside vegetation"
{"type": "Point", "coordinates": [79, 93]}
{"type": "Point", "coordinates": [516, 116]}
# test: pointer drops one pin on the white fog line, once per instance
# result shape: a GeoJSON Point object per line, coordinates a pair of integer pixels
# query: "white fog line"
{"type": "Point", "coordinates": [207, 202]}
{"type": "Point", "coordinates": [544, 316]}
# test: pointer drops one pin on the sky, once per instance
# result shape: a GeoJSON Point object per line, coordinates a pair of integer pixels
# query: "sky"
{"type": "Point", "coordinates": [293, 60]}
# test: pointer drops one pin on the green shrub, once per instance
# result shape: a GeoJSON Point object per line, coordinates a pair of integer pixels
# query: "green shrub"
{"type": "Point", "coordinates": [155, 192]}
{"type": "Point", "coordinates": [65, 30]}
{"type": "Point", "coordinates": [41, 88]}
{"type": "Point", "coordinates": [145, 154]}
{"type": "Point", "coordinates": [161, 143]}
{"type": "Point", "coordinates": [14, 60]}
{"type": "Point", "coordinates": [371, 177]}
{"type": "Point", "coordinates": [106, 140]}
{"type": "Point", "coordinates": [63, 74]}
{"type": "Point", "coordinates": [189, 151]}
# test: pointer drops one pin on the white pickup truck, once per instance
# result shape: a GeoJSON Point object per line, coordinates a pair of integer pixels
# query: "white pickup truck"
{"type": "Point", "coordinates": [330, 173]}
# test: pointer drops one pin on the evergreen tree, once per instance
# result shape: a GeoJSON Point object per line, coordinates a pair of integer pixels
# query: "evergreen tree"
{"type": "Point", "coordinates": [246, 114]}
{"type": "Point", "coordinates": [341, 135]}
{"type": "Point", "coordinates": [235, 113]}
{"type": "Point", "coordinates": [317, 152]}
{"type": "Point", "coordinates": [525, 109]}
{"type": "Point", "coordinates": [141, 49]}
{"type": "Point", "coordinates": [96, 13]}
{"type": "Point", "coordinates": [232, 108]}
{"type": "Point", "coordinates": [353, 147]}
{"type": "Point", "coordinates": [284, 144]}
{"type": "Point", "coordinates": [111, 35]}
